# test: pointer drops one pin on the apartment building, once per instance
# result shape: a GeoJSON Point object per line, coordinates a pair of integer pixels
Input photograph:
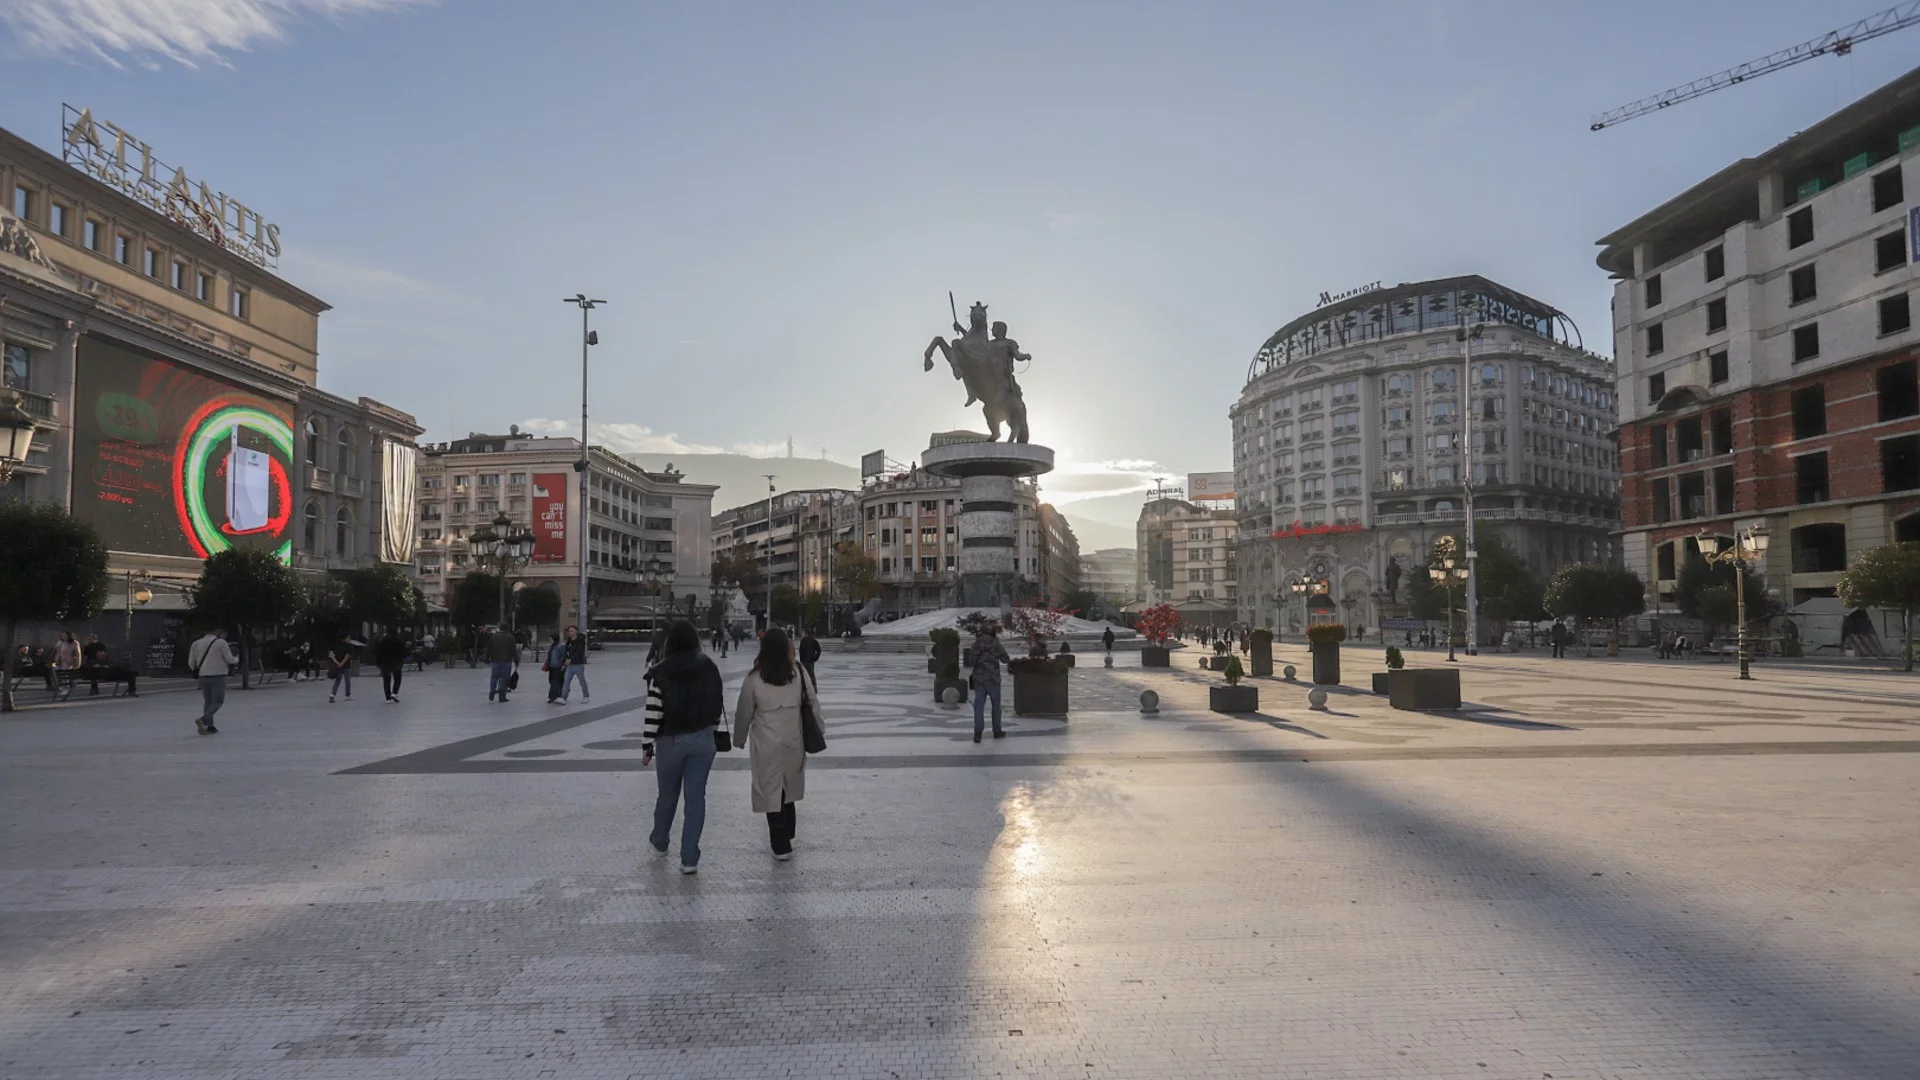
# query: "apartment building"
{"type": "Point", "coordinates": [910, 525]}
{"type": "Point", "coordinates": [1187, 556]}
{"type": "Point", "coordinates": [795, 548]}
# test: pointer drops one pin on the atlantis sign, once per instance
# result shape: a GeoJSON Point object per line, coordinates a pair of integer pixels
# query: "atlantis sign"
{"type": "Point", "coordinates": [114, 156]}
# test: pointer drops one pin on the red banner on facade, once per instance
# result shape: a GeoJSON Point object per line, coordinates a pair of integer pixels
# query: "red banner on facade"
{"type": "Point", "coordinates": [1298, 530]}
{"type": "Point", "coordinates": [550, 517]}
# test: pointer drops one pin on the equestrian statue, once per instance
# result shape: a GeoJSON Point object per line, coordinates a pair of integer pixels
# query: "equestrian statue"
{"type": "Point", "coordinates": [982, 357]}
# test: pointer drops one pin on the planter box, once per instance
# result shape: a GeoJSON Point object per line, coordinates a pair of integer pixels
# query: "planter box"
{"type": "Point", "coordinates": [1233, 699]}
{"type": "Point", "coordinates": [1380, 682]}
{"type": "Point", "coordinates": [1068, 657]}
{"type": "Point", "coordinates": [1156, 656]}
{"type": "Point", "coordinates": [1035, 694]}
{"type": "Point", "coordinates": [940, 684]}
{"type": "Point", "coordinates": [1326, 664]}
{"type": "Point", "coordinates": [1262, 656]}
{"type": "Point", "coordinates": [1216, 663]}
{"type": "Point", "coordinates": [1421, 689]}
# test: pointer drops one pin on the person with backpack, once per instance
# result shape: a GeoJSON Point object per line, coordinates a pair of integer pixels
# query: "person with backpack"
{"type": "Point", "coordinates": [685, 702]}
{"type": "Point", "coordinates": [555, 665]}
{"type": "Point", "coordinates": [767, 721]}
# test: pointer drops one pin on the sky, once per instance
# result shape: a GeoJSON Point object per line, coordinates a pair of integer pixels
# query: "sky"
{"type": "Point", "coordinates": [775, 199]}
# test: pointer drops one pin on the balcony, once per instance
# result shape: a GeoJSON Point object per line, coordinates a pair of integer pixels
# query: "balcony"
{"type": "Point", "coordinates": [353, 485]}
{"type": "Point", "coordinates": [319, 479]}
{"type": "Point", "coordinates": [40, 406]}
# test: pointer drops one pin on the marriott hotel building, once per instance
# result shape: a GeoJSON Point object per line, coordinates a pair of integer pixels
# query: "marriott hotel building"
{"type": "Point", "coordinates": [1350, 447]}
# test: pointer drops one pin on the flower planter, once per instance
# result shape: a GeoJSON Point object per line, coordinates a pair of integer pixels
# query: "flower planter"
{"type": "Point", "coordinates": [1326, 664]}
{"type": "Point", "coordinates": [1156, 656]}
{"type": "Point", "coordinates": [1216, 663]}
{"type": "Point", "coordinates": [1380, 682]}
{"type": "Point", "coordinates": [1068, 657]}
{"type": "Point", "coordinates": [1421, 689]}
{"type": "Point", "coordinates": [1039, 694]}
{"type": "Point", "coordinates": [1233, 699]}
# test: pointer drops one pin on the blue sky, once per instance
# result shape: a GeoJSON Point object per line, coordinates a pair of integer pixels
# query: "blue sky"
{"type": "Point", "coordinates": [775, 198]}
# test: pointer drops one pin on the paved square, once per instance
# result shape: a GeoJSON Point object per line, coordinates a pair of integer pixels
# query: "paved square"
{"type": "Point", "coordinates": [1600, 869]}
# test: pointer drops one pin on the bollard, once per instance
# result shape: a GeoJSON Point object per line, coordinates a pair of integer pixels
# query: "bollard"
{"type": "Point", "coordinates": [1288, 672]}
{"type": "Point", "coordinates": [1149, 703]}
{"type": "Point", "coordinates": [1109, 659]}
{"type": "Point", "coordinates": [1317, 699]}
{"type": "Point", "coordinates": [950, 698]}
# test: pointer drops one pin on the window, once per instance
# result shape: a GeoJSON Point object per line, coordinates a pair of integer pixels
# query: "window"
{"type": "Point", "coordinates": [1800, 227]}
{"type": "Point", "coordinates": [1347, 483]}
{"type": "Point", "coordinates": [929, 564]}
{"type": "Point", "coordinates": [1810, 478]}
{"type": "Point", "coordinates": [1716, 262]}
{"type": "Point", "coordinates": [57, 221]}
{"type": "Point", "coordinates": [1309, 399]}
{"type": "Point", "coordinates": [1310, 429]}
{"type": "Point", "coordinates": [1396, 415]}
{"type": "Point", "coordinates": [90, 234]}
{"type": "Point", "coordinates": [1314, 488]}
{"type": "Point", "coordinates": [238, 301]}
{"type": "Point", "coordinates": [1440, 475]}
{"type": "Point", "coordinates": [1890, 252]}
{"type": "Point", "coordinates": [1490, 375]}
{"type": "Point", "coordinates": [1662, 503]}
{"type": "Point", "coordinates": [1443, 412]}
{"type": "Point", "coordinates": [1819, 549]}
{"type": "Point", "coordinates": [1810, 411]}
{"type": "Point", "coordinates": [1283, 463]}
{"type": "Point", "coordinates": [1717, 367]}
{"type": "Point", "coordinates": [122, 251]}
{"type": "Point", "coordinates": [179, 276]}
{"type": "Point", "coordinates": [314, 439]}
{"type": "Point", "coordinates": [203, 288]}
{"type": "Point", "coordinates": [22, 203]}
{"type": "Point", "coordinates": [517, 478]}
{"type": "Point", "coordinates": [1445, 378]}
{"type": "Point", "coordinates": [487, 506]}
{"type": "Point", "coordinates": [1346, 392]}
{"type": "Point", "coordinates": [152, 264]}
{"type": "Point", "coordinates": [1346, 453]}
{"type": "Point", "coordinates": [1663, 562]}
{"type": "Point", "coordinates": [1720, 431]}
{"type": "Point", "coordinates": [1899, 387]}
{"type": "Point", "coordinates": [1800, 285]}
{"type": "Point", "coordinates": [886, 537]}
{"type": "Point", "coordinates": [490, 479]}
{"type": "Point", "coordinates": [1689, 437]}
{"type": "Point", "coordinates": [1693, 496]}
{"type": "Point", "coordinates": [1313, 457]}
{"type": "Point", "coordinates": [310, 527]}
{"type": "Point", "coordinates": [1656, 387]}
{"type": "Point", "coordinates": [1900, 463]}
{"type": "Point", "coordinates": [1440, 442]}
{"type": "Point", "coordinates": [1723, 490]}
{"type": "Point", "coordinates": [1657, 444]}
{"type": "Point", "coordinates": [1888, 189]}
{"type": "Point", "coordinates": [1653, 291]}
{"type": "Point", "coordinates": [1397, 446]}
{"type": "Point", "coordinates": [1492, 408]}
{"type": "Point", "coordinates": [1806, 342]}
{"type": "Point", "coordinates": [459, 506]}
{"type": "Point", "coordinates": [343, 443]}
{"type": "Point", "coordinates": [343, 533]}
{"type": "Point", "coordinates": [1347, 422]}
{"type": "Point", "coordinates": [1395, 385]}
{"type": "Point", "coordinates": [1716, 315]}
{"type": "Point", "coordinates": [1656, 339]}
{"type": "Point", "coordinates": [16, 367]}
{"type": "Point", "coordinates": [431, 512]}
{"type": "Point", "coordinates": [1894, 316]}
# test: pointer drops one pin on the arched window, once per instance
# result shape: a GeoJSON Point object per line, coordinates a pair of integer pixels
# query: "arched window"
{"type": "Point", "coordinates": [343, 440]}
{"type": "Point", "coordinates": [343, 533]}
{"type": "Point", "coordinates": [310, 529]}
{"type": "Point", "coordinates": [316, 443]}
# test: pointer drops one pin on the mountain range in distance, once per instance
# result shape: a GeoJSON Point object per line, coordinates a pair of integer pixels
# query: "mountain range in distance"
{"type": "Point", "coordinates": [742, 479]}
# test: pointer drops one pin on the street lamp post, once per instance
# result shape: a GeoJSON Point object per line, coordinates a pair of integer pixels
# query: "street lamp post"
{"type": "Point", "coordinates": [137, 593]}
{"type": "Point", "coordinates": [771, 477]}
{"type": "Point", "coordinates": [17, 426]}
{"type": "Point", "coordinates": [1467, 334]}
{"type": "Point", "coordinates": [579, 523]}
{"type": "Point", "coordinates": [505, 548]}
{"type": "Point", "coordinates": [1449, 578]}
{"type": "Point", "coordinates": [1749, 548]}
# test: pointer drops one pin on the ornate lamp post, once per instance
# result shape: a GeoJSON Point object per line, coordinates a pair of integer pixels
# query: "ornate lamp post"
{"type": "Point", "coordinates": [16, 433]}
{"type": "Point", "coordinates": [505, 548]}
{"type": "Point", "coordinates": [1448, 577]}
{"type": "Point", "coordinates": [1749, 548]}
{"type": "Point", "coordinates": [137, 593]}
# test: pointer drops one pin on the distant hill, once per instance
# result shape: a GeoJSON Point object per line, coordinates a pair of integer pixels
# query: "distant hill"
{"type": "Point", "coordinates": [742, 479]}
{"type": "Point", "coordinates": [1094, 535]}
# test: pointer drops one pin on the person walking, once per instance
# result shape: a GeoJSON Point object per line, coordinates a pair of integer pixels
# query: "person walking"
{"type": "Point", "coordinates": [340, 667]}
{"type": "Point", "coordinates": [766, 720]}
{"type": "Point", "coordinates": [576, 648]}
{"type": "Point", "coordinates": [391, 656]}
{"type": "Point", "coordinates": [685, 703]}
{"type": "Point", "coordinates": [555, 665]}
{"type": "Point", "coordinates": [503, 656]}
{"type": "Point", "coordinates": [809, 654]}
{"type": "Point", "coordinates": [1559, 637]}
{"type": "Point", "coordinates": [1106, 640]}
{"type": "Point", "coordinates": [211, 658]}
{"type": "Point", "coordinates": [66, 663]}
{"type": "Point", "coordinates": [988, 655]}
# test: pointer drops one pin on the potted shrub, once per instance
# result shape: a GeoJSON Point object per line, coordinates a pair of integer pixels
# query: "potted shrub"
{"type": "Point", "coordinates": [1039, 680]}
{"type": "Point", "coordinates": [1395, 661]}
{"type": "Point", "coordinates": [1323, 641]}
{"type": "Point", "coordinates": [1233, 698]}
{"type": "Point", "coordinates": [1422, 689]}
{"type": "Point", "coordinates": [945, 663]}
{"type": "Point", "coordinates": [1261, 642]}
{"type": "Point", "coordinates": [1158, 624]}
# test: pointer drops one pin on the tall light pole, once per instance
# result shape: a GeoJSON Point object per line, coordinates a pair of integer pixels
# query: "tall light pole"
{"type": "Point", "coordinates": [587, 338]}
{"type": "Point", "coordinates": [508, 549]}
{"type": "Point", "coordinates": [1748, 548]}
{"type": "Point", "coordinates": [1466, 335]}
{"type": "Point", "coordinates": [1448, 576]}
{"type": "Point", "coordinates": [771, 477]}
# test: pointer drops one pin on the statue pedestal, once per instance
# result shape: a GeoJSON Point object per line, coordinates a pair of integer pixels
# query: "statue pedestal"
{"type": "Point", "coordinates": [989, 475]}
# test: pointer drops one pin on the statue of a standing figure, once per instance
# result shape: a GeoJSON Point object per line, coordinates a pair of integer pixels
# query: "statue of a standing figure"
{"type": "Point", "coordinates": [985, 364]}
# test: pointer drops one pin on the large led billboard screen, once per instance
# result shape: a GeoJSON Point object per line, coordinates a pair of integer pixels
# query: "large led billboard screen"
{"type": "Point", "coordinates": [171, 462]}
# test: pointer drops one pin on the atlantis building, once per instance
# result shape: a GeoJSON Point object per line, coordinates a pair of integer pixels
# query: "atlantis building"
{"type": "Point", "coordinates": [1361, 423]}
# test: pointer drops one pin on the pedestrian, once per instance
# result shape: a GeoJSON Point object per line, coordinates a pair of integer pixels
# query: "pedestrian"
{"type": "Point", "coordinates": [767, 721]}
{"type": "Point", "coordinates": [93, 660]}
{"type": "Point", "coordinates": [1559, 637]}
{"type": "Point", "coordinates": [1106, 639]}
{"type": "Point", "coordinates": [211, 659]}
{"type": "Point", "coordinates": [988, 655]}
{"type": "Point", "coordinates": [503, 657]}
{"type": "Point", "coordinates": [340, 667]}
{"type": "Point", "coordinates": [685, 702]}
{"type": "Point", "coordinates": [66, 662]}
{"type": "Point", "coordinates": [576, 650]}
{"type": "Point", "coordinates": [810, 654]}
{"type": "Point", "coordinates": [391, 656]}
{"type": "Point", "coordinates": [555, 665]}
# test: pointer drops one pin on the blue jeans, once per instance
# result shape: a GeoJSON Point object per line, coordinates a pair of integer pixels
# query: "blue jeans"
{"type": "Point", "coordinates": [575, 671]}
{"type": "Point", "coordinates": [981, 693]}
{"type": "Point", "coordinates": [683, 762]}
{"type": "Point", "coordinates": [497, 677]}
{"type": "Point", "coordinates": [343, 677]}
{"type": "Point", "coordinates": [213, 694]}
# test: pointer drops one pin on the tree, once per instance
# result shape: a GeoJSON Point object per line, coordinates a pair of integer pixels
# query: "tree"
{"type": "Point", "coordinates": [740, 566]}
{"type": "Point", "coordinates": [1425, 600]}
{"type": "Point", "coordinates": [475, 600]}
{"type": "Point", "coordinates": [247, 590]}
{"type": "Point", "coordinates": [1585, 592]}
{"type": "Point", "coordinates": [786, 605]}
{"type": "Point", "coordinates": [1506, 589]}
{"type": "Point", "coordinates": [1158, 623]}
{"type": "Point", "coordinates": [855, 572]}
{"type": "Point", "coordinates": [381, 594]}
{"type": "Point", "coordinates": [1716, 606]}
{"type": "Point", "coordinates": [52, 567]}
{"type": "Point", "coordinates": [1886, 577]}
{"type": "Point", "coordinates": [1037, 624]}
{"type": "Point", "coordinates": [816, 606]}
{"type": "Point", "coordinates": [1083, 602]}
{"type": "Point", "coordinates": [537, 606]}
{"type": "Point", "coordinates": [1698, 575]}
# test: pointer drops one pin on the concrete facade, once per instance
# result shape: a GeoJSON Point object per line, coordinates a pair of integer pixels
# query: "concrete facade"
{"type": "Point", "coordinates": [1188, 556]}
{"type": "Point", "coordinates": [910, 525]}
{"type": "Point", "coordinates": [796, 550]}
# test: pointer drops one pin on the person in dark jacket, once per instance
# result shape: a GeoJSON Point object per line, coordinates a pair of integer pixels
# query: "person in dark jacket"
{"type": "Point", "coordinates": [555, 666]}
{"type": "Point", "coordinates": [809, 653]}
{"type": "Point", "coordinates": [577, 665]}
{"type": "Point", "coordinates": [684, 704]}
{"type": "Point", "coordinates": [391, 655]}
{"type": "Point", "coordinates": [340, 667]}
{"type": "Point", "coordinates": [1106, 638]}
{"type": "Point", "coordinates": [503, 656]}
{"type": "Point", "coordinates": [988, 654]}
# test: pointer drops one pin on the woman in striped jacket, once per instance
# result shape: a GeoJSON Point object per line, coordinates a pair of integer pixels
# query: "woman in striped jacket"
{"type": "Point", "coordinates": [684, 705]}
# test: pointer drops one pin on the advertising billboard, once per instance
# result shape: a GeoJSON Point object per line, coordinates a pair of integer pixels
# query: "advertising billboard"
{"type": "Point", "coordinates": [168, 461]}
{"type": "Point", "coordinates": [1205, 486]}
{"type": "Point", "coordinates": [550, 517]}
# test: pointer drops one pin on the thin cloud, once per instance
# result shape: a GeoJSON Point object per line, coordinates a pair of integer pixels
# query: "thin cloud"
{"type": "Point", "coordinates": [186, 32]}
{"type": "Point", "coordinates": [624, 438]}
{"type": "Point", "coordinates": [1076, 481]}
{"type": "Point", "coordinates": [326, 274]}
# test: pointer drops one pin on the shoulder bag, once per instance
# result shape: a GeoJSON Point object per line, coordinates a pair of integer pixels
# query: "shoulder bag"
{"type": "Point", "coordinates": [813, 737]}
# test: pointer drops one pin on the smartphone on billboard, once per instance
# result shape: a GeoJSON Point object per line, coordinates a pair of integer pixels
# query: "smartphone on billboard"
{"type": "Point", "coordinates": [249, 488]}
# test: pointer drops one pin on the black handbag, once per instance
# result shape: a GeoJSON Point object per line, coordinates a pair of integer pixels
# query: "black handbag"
{"type": "Point", "coordinates": [722, 737]}
{"type": "Point", "coordinates": [513, 680]}
{"type": "Point", "coordinates": [813, 737]}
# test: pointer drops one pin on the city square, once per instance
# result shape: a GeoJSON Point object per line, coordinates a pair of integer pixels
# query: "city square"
{"type": "Point", "coordinates": [1598, 868]}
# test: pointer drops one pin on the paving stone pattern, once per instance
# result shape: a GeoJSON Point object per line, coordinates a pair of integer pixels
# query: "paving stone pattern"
{"type": "Point", "coordinates": [1600, 869]}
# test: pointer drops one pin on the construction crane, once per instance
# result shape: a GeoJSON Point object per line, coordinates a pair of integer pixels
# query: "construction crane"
{"type": "Point", "coordinates": [1837, 42]}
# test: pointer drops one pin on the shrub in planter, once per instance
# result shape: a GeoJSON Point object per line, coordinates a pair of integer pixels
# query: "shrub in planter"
{"type": "Point", "coordinates": [1233, 698]}
{"type": "Point", "coordinates": [1039, 686]}
{"type": "Point", "coordinates": [1262, 652]}
{"type": "Point", "coordinates": [1395, 661]}
{"type": "Point", "coordinates": [1158, 624]}
{"type": "Point", "coordinates": [1323, 642]}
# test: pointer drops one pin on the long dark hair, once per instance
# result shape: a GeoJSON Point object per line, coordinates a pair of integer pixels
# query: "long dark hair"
{"type": "Point", "coordinates": [775, 662]}
{"type": "Point", "coordinates": [681, 638]}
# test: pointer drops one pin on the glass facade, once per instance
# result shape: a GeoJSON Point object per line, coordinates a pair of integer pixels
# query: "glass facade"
{"type": "Point", "coordinates": [1405, 309]}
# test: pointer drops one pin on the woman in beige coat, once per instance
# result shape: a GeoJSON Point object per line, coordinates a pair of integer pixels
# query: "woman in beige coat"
{"type": "Point", "coordinates": [767, 723]}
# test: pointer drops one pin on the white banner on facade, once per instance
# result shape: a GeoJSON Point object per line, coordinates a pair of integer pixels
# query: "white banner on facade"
{"type": "Point", "coordinates": [396, 502]}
